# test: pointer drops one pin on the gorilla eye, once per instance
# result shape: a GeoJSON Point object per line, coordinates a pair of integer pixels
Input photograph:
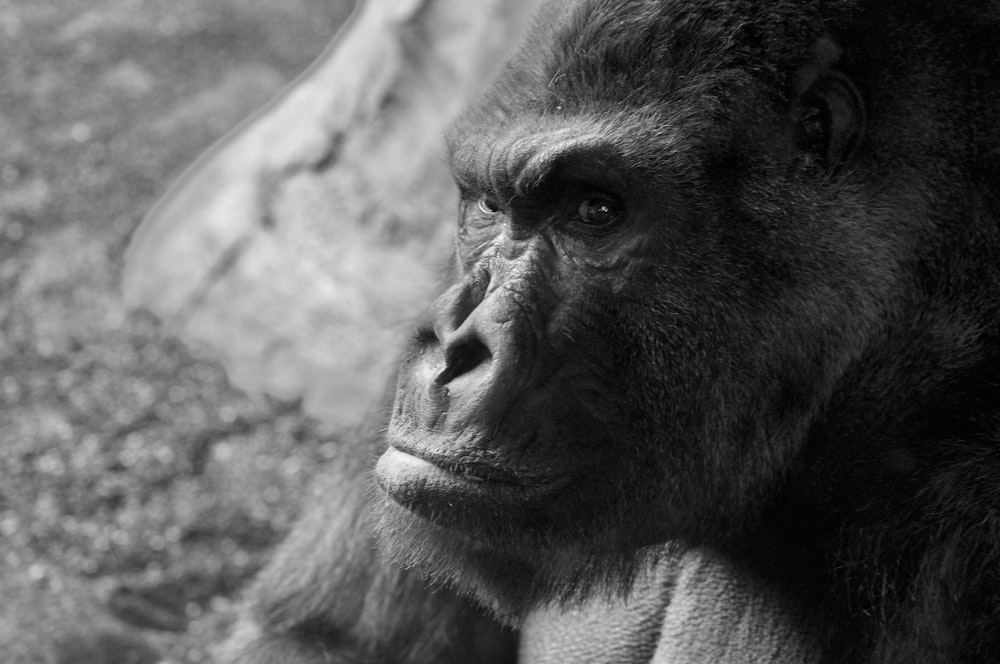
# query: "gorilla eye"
{"type": "Point", "coordinates": [488, 206]}
{"type": "Point", "coordinates": [598, 211]}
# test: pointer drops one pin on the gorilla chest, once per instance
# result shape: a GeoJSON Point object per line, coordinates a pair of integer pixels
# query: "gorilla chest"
{"type": "Point", "coordinates": [693, 607]}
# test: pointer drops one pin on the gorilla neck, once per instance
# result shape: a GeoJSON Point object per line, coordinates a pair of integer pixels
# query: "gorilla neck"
{"type": "Point", "coordinates": [511, 581]}
{"type": "Point", "coordinates": [892, 523]}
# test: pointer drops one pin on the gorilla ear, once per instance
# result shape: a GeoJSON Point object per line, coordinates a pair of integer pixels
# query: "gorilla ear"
{"type": "Point", "coordinates": [829, 114]}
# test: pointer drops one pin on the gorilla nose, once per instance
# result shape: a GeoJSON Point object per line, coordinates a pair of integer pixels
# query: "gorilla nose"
{"type": "Point", "coordinates": [481, 343]}
{"type": "Point", "coordinates": [464, 351]}
{"type": "Point", "coordinates": [458, 331]}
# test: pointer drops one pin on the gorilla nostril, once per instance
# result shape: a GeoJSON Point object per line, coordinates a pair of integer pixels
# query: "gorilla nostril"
{"type": "Point", "coordinates": [461, 358]}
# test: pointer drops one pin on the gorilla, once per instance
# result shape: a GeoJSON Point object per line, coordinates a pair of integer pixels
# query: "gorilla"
{"type": "Point", "coordinates": [726, 277]}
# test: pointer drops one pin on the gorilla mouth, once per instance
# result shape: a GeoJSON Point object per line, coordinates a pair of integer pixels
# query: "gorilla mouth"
{"type": "Point", "coordinates": [474, 471]}
{"type": "Point", "coordinates": [445, 491]}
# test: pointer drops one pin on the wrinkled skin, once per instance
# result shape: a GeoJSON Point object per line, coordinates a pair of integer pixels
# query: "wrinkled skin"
{"type": "Point", "coordinates": [726, 274]}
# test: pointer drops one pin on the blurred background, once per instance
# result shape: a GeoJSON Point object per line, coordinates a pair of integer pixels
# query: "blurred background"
{"type": "Point", "coordinates": [138, 490]}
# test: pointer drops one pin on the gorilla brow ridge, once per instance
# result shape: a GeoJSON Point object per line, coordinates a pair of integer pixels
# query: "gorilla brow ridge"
{"type": "Point", "coordinates": [516, 163]}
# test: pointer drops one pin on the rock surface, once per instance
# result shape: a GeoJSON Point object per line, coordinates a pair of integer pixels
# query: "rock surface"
{"type": "Point", "coordinates": [299, 249]}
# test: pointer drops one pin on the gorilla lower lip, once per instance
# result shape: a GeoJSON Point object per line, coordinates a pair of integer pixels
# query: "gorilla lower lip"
{"type": "Point", "coordinates": [473, 471]}
{"type": "Point", "coordinates": [428, 488]}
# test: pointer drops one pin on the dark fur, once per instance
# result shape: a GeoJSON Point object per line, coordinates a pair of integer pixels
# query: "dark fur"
{"type": "Point", "coordinates": [793, 361]}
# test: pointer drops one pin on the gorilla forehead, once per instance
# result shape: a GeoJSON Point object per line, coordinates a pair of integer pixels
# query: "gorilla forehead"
{"type": "Point", "coordinates": [635, 80]}
{"type": "Point", "coordinates": [637, 51]}
{"type": "Point", "coordinates": [647, 44]}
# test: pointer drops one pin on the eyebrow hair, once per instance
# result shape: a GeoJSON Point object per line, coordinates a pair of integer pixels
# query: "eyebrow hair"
{"type": "Point", "coordinates": [511, 157]}
{"type": "Point", "coordinates": [515, 166]}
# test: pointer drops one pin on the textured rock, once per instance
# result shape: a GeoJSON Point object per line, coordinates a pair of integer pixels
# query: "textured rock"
{"type": "Point", "coordinates": [298, 249]}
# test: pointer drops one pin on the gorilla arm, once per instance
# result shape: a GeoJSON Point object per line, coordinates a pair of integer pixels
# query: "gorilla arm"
{"type": "Point", "coordinates": [328, 597]}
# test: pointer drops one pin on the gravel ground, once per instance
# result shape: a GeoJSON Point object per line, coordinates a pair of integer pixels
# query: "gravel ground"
{"type": "Point", "coordinates": [138, 490]}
